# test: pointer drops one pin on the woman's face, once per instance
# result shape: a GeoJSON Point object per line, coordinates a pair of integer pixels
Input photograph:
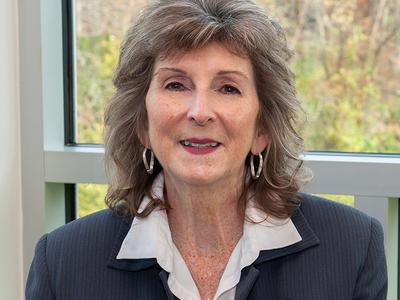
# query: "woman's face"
{"type": "Point", "coordinates": [202, 108]}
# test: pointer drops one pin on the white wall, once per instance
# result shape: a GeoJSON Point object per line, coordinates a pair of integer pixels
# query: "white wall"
{"type": "Point", "coordinates": [11, 278]}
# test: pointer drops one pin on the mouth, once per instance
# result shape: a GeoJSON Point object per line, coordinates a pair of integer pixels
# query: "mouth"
{"type": "Point", "coordinates": [199, 146]}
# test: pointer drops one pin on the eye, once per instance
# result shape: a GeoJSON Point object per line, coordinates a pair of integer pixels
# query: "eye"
{"type": "Point", "coordinates": [230, 90]}
{"type": "Point", "coordinates": [175, 86]}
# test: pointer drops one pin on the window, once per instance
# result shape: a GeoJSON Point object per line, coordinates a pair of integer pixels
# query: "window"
{"type": "Point", "coordinates": [347, 69]}
{"type": "Point", "coordinates": [99, 32]}
{"type": "Point", "coordinates": [346, 64]}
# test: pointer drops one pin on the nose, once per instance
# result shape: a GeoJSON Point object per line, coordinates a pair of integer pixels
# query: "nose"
{"type": "Point", "coordinates": [201, 111]}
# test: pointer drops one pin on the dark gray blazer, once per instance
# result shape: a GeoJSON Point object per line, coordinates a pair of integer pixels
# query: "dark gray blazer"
{"type": "Point", "coordinates": [341, 256]}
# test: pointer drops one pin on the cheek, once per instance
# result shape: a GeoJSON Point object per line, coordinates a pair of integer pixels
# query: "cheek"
{"type": "Point", "coordinates": [155, 110]}
{"type": "Point", "coordinates": [156, 126]}
{"type": "Point", "coordinates": [161, 118]}
{"type": "Point", "coordinates": [243, 123]}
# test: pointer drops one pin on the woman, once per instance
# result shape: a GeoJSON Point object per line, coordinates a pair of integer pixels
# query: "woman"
{"type": "Point", "coordinates": [202, 156]}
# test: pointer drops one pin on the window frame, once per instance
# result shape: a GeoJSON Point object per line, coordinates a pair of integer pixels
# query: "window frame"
{"type": "Point", "coordinates": [69, 71]}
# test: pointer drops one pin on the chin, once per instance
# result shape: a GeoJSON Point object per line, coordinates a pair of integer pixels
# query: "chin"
{"type": "Point", "coordinates": [200, 181]}
{"type": "Point", "coordinates": [200, 177]}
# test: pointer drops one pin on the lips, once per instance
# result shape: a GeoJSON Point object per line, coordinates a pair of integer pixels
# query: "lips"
{"type": "Point", "coordinates": [199, 143]}
{"type": "Point", "coordinates": [200, 146]}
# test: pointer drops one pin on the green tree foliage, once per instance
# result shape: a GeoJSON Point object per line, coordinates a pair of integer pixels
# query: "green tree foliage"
{"type": "Point", "coordinates": [96, 61]}
{"type": "Point", "coordinates": [91, 198]}
{"type": "Point", "coordinates": [346, 61]}
{"type": "Point", "coordinates": [344, 199]}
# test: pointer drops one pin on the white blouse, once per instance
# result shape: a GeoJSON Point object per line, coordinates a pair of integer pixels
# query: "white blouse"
{"type": "Point", "coordinates": [150, 237]}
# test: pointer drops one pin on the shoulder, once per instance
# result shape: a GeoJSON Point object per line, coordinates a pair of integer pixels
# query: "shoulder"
{"type": "Point", "coordinates": [330, 219]}
{"type": "Point", "coordinates": [351, 244]}
{"type": "Point", "coordinates": [61, 253]}
{"type": "Point", "coordinates": [95, 232]}
{"type": "Point", "coordinates": [317, 208]}
{"type": "Point", "coordinates": [104, 221]}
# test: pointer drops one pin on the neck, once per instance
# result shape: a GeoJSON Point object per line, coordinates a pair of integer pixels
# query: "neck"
{"type": "Point", "coordinates": [208, 219]}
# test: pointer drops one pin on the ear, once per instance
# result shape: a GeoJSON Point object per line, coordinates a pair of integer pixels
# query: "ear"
{"type": "Point", "coordinates": [260, 142]}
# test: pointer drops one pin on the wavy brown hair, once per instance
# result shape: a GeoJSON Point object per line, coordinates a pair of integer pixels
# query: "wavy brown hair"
{"type": "Point", "coordinates": [161, 29]}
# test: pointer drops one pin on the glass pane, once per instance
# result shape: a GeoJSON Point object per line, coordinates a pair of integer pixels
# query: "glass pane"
{"type": "Point", "coordinates": [347, 66]}
{"type": "Point", "coordinates": [347, 69]}
{"type": "Point", "coordinates": [91, 198]}
{"type": "Point", "coordinates": [100, 29]}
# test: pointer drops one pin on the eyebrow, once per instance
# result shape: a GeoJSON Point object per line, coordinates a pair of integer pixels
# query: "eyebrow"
{"type": "Point", "coordinates": [176, 70]}
{"type": "Point", "coordinates": [232, 72]}
{"type": "Point", "coordinates": [220, 73]}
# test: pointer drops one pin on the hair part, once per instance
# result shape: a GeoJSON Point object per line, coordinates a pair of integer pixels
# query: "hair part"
{"type": "Point", "coordinates": [167, 26]}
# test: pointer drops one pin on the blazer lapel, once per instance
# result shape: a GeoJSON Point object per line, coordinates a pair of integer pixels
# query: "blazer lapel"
{"type": "Point", "coordinates": [164, 279]}
{"type": "Point", "coordinates": [127, 264]}
{"type": "Point", "coordinates": [309, 239]}
{"type": "Point", "coordinates": [250, 274]}
{"type": "Point", "coordinates": [247, 279]}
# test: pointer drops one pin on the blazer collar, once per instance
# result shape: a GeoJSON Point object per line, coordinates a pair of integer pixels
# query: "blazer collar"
{"type": "Point", "coordinates": [127, 264]}
{"type": "Point", "coordinates": [309, 239]}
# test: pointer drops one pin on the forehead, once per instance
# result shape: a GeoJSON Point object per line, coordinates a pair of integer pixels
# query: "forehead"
{"type": "Point", "coordinates": [212, 56]}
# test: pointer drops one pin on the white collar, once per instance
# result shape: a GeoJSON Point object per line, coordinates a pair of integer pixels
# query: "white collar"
{"type": "Point", "coordinates": [150, 237]}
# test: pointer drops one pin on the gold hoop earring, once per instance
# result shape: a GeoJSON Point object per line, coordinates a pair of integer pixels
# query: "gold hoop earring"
{"type": "Point", "coordinates": [256, 175]}
{"type": "Point", "coordinates": [149, 167]}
